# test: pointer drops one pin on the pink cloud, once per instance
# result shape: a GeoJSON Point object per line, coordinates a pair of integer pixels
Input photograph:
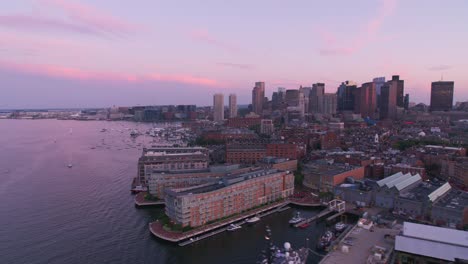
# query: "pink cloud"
{"type": "Point", "coordinates": [78, 74]}
{"type": "Point", "coordinates": [92, 17]}
{"type": "Point", "coordinates": [30, 22]}
{"type": "Point", "coordinates": [77, 18]}
{"type": "Point", "coordinates": [364, 37]}
{"type": "Point", "coordinates": [205, 36]}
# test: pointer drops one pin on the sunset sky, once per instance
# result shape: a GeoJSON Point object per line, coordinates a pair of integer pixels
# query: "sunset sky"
{"type": "Point", "coordinates": [99, 53]}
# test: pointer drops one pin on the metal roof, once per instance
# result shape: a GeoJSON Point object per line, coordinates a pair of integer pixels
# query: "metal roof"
{"type": "Point", "coordinates": [439, 192]}
{"type": "Point", "coordinates": [405, 183]}
{"type": "Point", "coordinates": [395, 181]}
{"type": "Point", "coordinates": [432, 241]}
{"type": "Point", "coordinates": [382, 182]}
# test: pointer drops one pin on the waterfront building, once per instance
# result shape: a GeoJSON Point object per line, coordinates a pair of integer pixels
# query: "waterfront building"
{"type": "Point", "coordinates": [235, 193]}
{"type": "Point", "coordinates": [442, 96]}
{"type": "Point", "coordinates": [258, 95]}
{"type": "Point", "coordinates": [420, 243]}
{"type": "Point", "coordinates": [175, 159]}
{"type": "Point", "coordinates": [218, 107]}
{"type": "Point", "coordinates": [232, 105]}
{"type": "Point", "coordinates": [159, 181]}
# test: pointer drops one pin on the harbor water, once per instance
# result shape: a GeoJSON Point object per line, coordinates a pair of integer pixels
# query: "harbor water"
{"type": "Point", "coordinates": [50, 213]}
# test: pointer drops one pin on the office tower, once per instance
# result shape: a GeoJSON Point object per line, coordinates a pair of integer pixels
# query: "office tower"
{"type": "Point", "coordinates": [292, 97]}
{"type": "Point", "coordinates": [345, 95]}
{"type": "Point", "coordinates": [232, 105]}
{"type": "Point", "coordinates": [379, 82]}
{"type": "Point", "coordinates": [442, 96]}
{"type": "Point", "coordinates": [278, 98]}
{"type": "Point", "coordinates": [316, 98]}
{"type": "Point", "coordinates": [406, 103]}
{"type": "Point", "coordinates": [391, 95]}
{"type": "Point", "coordinates": [365, 100]}
{"type": "Point", "coordinates": [218, 107]}
{"type": "Point", "coordinates": [301, 104]}
{"type": "Point", "coordinates": [329, 103]}
{"type": "Point", "coordinates": [399, 84]}
{"type": "Point", "coordinates": [306, 92]}
{"type": "Point", "coordinates": [258, 95]}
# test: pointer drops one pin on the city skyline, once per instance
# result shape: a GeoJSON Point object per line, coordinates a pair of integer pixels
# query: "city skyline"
{"type": "Point", "coordinates": [95, 54]}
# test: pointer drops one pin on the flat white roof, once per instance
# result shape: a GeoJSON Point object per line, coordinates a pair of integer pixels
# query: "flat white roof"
{"type": "Point", "coordinates": [432, 241]}
{"type": "Point", "coordinates": [435, 233]}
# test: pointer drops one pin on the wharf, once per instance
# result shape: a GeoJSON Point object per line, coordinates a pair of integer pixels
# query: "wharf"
{"type": "Point", "coordinates": [334, 216]}
{"type": "Point", "coordinates": [189, 237]}
{"type": "Point", "coordinates": [140, 200]}
{"type": "Point", "coordinates": [361, 245]}
{"type": "Point", "coordinates": [315, 217]}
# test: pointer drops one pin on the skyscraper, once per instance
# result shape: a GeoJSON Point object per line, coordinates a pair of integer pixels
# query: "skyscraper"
{"type": "Point", "coordinates": [258, 95]}
{"type": "Point", "coordinates": [316, 98]}
{"type": "Point", "coordinates": [232, 105]}
{"type": "Point", "coordinates": [442, 96]}
{"type": "Point", "coordinates": [345, 96]}
{"type": "Point", "coordinates": [406, 101]}
{"type": "Point", "coordinates": [400, 87]}
{"type": "Point", "coordinates": [218, 107]}
{"type": "Point", "coordinates": [391, 97]}
{"type": "Point", "coordinates": [329, 104]}
{"type": "Point", "coordinates": [306, 92]}
{"type": "Point", "coordinates": [379, 82]}
{"type": "Point", "coordinates": [366, 100]}
{"type": "Point", "coordinates": [292, 97]}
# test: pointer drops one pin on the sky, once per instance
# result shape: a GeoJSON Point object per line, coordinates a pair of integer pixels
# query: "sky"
{"type": "Point", "coordinates": [100, 53]}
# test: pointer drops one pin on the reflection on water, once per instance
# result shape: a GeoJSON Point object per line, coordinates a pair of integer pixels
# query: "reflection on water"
{"type": "Point", "coordinates": [85, 214]}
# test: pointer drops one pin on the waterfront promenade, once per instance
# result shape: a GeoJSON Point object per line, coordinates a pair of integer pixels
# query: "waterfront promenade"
{"type": "Point", "coordinates": [158, 230]}
{"type": "Point", "coordinates": [141, 201]}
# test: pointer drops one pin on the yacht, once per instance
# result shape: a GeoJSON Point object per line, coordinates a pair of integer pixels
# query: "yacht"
{"type": "Point", "coordinates": [233, 227]}
{"type": "Point", "coordinates": [69, 165]}
{"type": "Point", "coordinates": [296, 219]}
{"type": "Point", "coordinates": [340, 226]}
{"type": "Point", "coordinates": [253, 220]}
{"type": "Point", "coordinates": [325, 240]}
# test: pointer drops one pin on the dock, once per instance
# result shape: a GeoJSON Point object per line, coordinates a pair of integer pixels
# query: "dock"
{"type": "Point", "coordinates": [189, 237]}
{"type": "Point", "coordinates": [315, 217]}
{"type": "Point", "coordinates": [220, 230]}
{"type": "Point", "coordinates": [140, 201]}
{"type": "Point", "coordinates": [334, 216]}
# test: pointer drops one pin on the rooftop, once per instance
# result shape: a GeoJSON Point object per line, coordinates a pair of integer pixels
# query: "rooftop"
{"type": "Point", "coordinates": [454, 199]}
{"type": "Point", "coordinates": [426, 191]}
{"type": "Point", "coordinates": [436, 242]}
{"type": "Point", "coordinates": [227, 180]}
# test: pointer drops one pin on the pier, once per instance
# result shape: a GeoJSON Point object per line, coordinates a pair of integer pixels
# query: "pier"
{"type": "Point", "coordinates": [201, 233]}
{"type": "Point", "coordinates": [334, 205]}
{"type": "Point", "coordinates": [140, 201]}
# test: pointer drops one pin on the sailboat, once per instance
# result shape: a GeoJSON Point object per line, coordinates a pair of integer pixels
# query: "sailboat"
{"type": "Point", "coordinates": [70, 164]}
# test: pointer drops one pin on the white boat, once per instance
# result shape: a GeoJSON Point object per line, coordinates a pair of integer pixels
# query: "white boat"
{"type": "Point", "coordinates": [340, 226]}
{"type": "Point", "coordinates": [233, 227]}
{"type": "Point", "coordinates": [296, 219]}
{"type": "Point", "coordinates": [69, 165]}
{"type": "Point", "coordinates": [253, 220]}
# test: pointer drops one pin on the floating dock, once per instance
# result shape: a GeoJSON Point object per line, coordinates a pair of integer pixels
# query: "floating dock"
{"type": "Point", "coordinates": [315, 217]}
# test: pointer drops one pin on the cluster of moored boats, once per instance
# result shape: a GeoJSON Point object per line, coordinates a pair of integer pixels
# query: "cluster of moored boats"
{"type": "Point", "coordinates": [327, 237]}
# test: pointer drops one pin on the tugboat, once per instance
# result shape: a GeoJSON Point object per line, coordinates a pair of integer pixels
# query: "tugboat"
{"type": "Point", "coordinates": [286, 255]}
{"type": "Point", "coordinates": [325, 240]}
{"type": "Point", "coordinates": [253, 220]}
{"type": "Point", "coordinates": [233, 227]}
{"type": "Point", "coordinates": [339, 227]}
{"type": "Point", "coordinates": [296, 219]}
